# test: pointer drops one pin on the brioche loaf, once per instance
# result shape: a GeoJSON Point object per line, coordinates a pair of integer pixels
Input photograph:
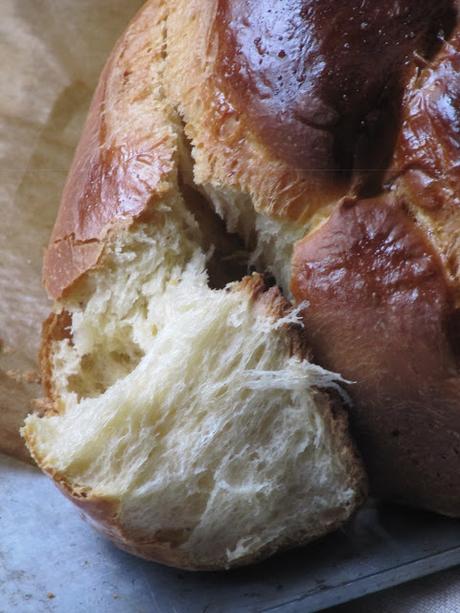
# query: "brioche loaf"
{"type": "Point", "coordinates": [186, 419]}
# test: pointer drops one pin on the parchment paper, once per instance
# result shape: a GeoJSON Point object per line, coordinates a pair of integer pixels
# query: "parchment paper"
{"type": "Point", "coordinates": [51, 53]}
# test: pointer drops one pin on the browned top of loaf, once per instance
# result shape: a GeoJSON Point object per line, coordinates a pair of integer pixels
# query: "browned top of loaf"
{"type": "Point", "coordinates": [308, 73]}
{"type": "Point", "coordinates": [427, 149]}
{"type": "Point", "coordinates": [296, 103]}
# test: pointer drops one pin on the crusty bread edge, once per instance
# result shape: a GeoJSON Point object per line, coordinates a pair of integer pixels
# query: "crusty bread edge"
{"type": "Point", "coordinates": [79, 236]}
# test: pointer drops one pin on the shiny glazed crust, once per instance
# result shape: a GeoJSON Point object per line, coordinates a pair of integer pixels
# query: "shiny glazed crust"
{"type": "Point", "coordinates": [124, 159]}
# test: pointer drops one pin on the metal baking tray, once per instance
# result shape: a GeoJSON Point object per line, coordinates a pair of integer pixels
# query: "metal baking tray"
{"type": "Point", "coordinates": [52, 561]}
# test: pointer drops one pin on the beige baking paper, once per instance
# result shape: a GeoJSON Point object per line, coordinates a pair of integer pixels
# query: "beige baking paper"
{"type": "Point", "coordinates": [51, 53]}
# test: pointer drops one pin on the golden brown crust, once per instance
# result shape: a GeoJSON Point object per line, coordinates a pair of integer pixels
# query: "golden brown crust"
{"type": "Point", "coordinates": [381, 311]}
{"type": "Point", "coordinates": [426, 163]}
{"type": "Point", "coordinates": [427, 150]}
{"type": "Point", "coordinates": [125, 156]}
{"type": "Point", "coordinates": [382, 279]}
{"type": "Point", "coordinates": [307, 74]}
{"type": "Point", "coordinates": [56, 328]}
{"type": "Point", "coordinates": [124, 159]}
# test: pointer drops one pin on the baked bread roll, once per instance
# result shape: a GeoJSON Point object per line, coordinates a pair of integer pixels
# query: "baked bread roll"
{"type": "Point", "coordinates": [185, 417]}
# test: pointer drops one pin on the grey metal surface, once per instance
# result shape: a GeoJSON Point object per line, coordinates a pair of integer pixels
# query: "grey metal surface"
{"type": "Point", "coordinates": [52, 561]}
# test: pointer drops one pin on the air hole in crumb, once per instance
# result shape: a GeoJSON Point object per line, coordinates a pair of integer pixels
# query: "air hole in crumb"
{"type": "Point", "coordinates": [100, 369]}
{"type": "Point", "coordinates": [229, 259]}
